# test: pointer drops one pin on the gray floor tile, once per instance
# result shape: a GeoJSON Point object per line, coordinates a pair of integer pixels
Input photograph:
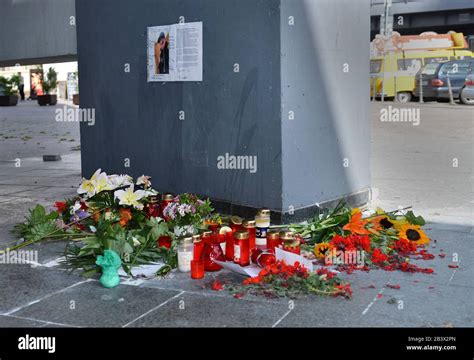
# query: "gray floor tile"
{"type": "Point", "coordinates": [96, 306]}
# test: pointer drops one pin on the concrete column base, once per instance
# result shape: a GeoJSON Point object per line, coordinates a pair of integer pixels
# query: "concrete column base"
{"type": "Point", "coordinates": [356, 199]}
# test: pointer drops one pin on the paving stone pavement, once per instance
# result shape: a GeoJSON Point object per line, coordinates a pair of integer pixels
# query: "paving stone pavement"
{"type": "Point", "coordinates": [410, 166]}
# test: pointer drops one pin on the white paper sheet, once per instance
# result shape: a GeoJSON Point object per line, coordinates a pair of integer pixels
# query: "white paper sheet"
{"type": "Point", "coordinates": [148, 270]}
{"type": "Point", "coordinates": [291, 258]}
{"type": "Point", "coordinates": [177, 56]}
{"type": "Point", "coordinates": [251, 270]}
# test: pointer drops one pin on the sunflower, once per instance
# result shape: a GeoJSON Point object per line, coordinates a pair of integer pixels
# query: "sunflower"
{"type": "Point", "coordinates": [414, 234]}
{"type": "Point", "coordinates": [321, 249]}
{"type": "Point", "coordinates": [400, 222]}
{"type": "Point", "coordinates": [381, 222]}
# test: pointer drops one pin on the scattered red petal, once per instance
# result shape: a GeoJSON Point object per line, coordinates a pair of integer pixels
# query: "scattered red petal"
{"type": "Point", "coordinates": [217, 286]}
{"type": "Point", "coordinates": [394, 286]}
{"type": "Point", "coordinates": [442, 256]}
{"type": "Point", "coordinates": [431, 287]}
{"type": "Point", "coordinates": [453, 266]}
{"type": "Point", "coordinates": [379, 296]}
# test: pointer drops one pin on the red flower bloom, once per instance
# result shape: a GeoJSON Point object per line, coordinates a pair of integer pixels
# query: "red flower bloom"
{"type": "Point", "coordinates": [344, 290]}
{"type": "Point", "coordinates": [342, 243]}
{"type": "Point", "coordinates": [378, 257]}
{"type": "Point", "coordinates": [403, 246]}
{"type": "Point", "coordinates": [217, 286]}
{"type": "Point", "coordinates": [164, 241]}
{"type": "Point", "coordinates": [361, 242]}
{"type": "Point", "coordinates": [324, 271]}
{"type": "Point", "coordinates": [424, 255]}
{"type": "Point", "coordinates": [61, 206]}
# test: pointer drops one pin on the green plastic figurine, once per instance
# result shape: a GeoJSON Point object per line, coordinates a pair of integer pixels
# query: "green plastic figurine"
{"type": "Point", "coordinates": [110, 263]}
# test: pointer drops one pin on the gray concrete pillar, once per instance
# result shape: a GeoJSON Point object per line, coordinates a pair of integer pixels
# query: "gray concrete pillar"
{"type": "Point", "coordinates": [299, 102]}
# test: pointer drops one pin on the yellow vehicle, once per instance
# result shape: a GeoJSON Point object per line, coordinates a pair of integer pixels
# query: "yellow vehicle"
{"type": "Point", "coordinates": [394, 73]}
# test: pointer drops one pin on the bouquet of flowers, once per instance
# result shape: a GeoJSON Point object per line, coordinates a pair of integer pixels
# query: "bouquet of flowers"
{"type": "Point", "coordinates": [386, 240]}
{"type": "Point", "coordinates": [187, 213]}
{"type": "Point", "coordinates": [109, 213]}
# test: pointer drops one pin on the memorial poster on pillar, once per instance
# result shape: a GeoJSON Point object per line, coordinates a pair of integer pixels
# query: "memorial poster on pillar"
{"type": "Point", "coordinates": [175, 52]}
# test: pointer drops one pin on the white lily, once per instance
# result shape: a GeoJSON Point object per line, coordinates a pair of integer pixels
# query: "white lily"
{"type": "Point", "coordinates": [101, 183]}
{"type": "Point", "coordinates": [144, 180]}
{"type": "Point", "coordinates": [97, 183]}
{"type": "Point", "coordinates": [117, 181]}
{"type": "Point", "coordinates": [130, 197]}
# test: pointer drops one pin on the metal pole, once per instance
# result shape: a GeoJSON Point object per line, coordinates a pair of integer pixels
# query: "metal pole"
{"type": "Point", "coordinates": [395, 88]}
{"type": "Point", "coordinates": [421, 88]}
{"type": "Point", "coordinates": [450, 90]}
{"type": "Point", "coordinates": [374, 87]}
{"type": "Point", "coordinates": [383, 78]}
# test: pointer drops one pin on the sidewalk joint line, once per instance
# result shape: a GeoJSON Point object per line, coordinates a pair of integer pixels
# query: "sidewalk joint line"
{"type": "Point", "coordinates": [14, 310]}
{"type": "Point", "coordinates": [45, 322]}
{"type": "Point", "coordinates": [155, 308]}
{"type": "Point", "coordinates": [454, 272]}
{"type": "Point", "coordinates": [374, 300]}
{"type": "Point", "coordinates": [282, 318]}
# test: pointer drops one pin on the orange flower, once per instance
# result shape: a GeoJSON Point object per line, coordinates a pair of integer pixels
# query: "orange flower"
{"type": "Point", "coordinates": [125, 216]}
{"type": "Point", "coordinates": [357, 225]}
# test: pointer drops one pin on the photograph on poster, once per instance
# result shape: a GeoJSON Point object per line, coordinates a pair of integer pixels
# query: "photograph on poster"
{"type": "Point", "coordinates": [175, 52]}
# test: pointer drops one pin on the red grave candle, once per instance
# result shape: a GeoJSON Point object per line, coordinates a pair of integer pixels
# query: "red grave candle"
{"type": "Point", "coordinates": [273, 240]}
{"type": "Point", "coordinates": [241, 248]}
{"type": "Point", "coordinates": [221, 239]}
{"type": "Point", "coordinates": [235, 223]}
{"type": "Point", "coordinates": [153, 207]}
{"type": "Point", "coordinates": [212, 251]}
{"type": "Point", "coordinates": [165, 201]}
{"type": "Point", "coordinates": [229, 245]}
{"type": "Point", "coordinates": [197, 269]}
{"type": "Point", "coordinates": [198, 247]}
{"type": "Point", "coordinates": [250, 226]}
{"type": "Point", "coordinates": [290, 242]}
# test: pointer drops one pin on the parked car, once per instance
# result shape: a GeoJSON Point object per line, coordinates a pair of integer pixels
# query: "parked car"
{"type": "Point", "coordinates": [467, 93]}
{"type": "Point", "coordinates": [434, 79]}
{"type": "Point", "coordinates": [401, 67]}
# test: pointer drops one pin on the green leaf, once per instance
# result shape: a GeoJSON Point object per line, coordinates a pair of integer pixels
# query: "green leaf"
{"type": "Point", "coordinates": [90, 273]}
{"type": "Point", "coordinates": [414, 220]}
{"type": "Point", "coordinates": [127, 248]}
